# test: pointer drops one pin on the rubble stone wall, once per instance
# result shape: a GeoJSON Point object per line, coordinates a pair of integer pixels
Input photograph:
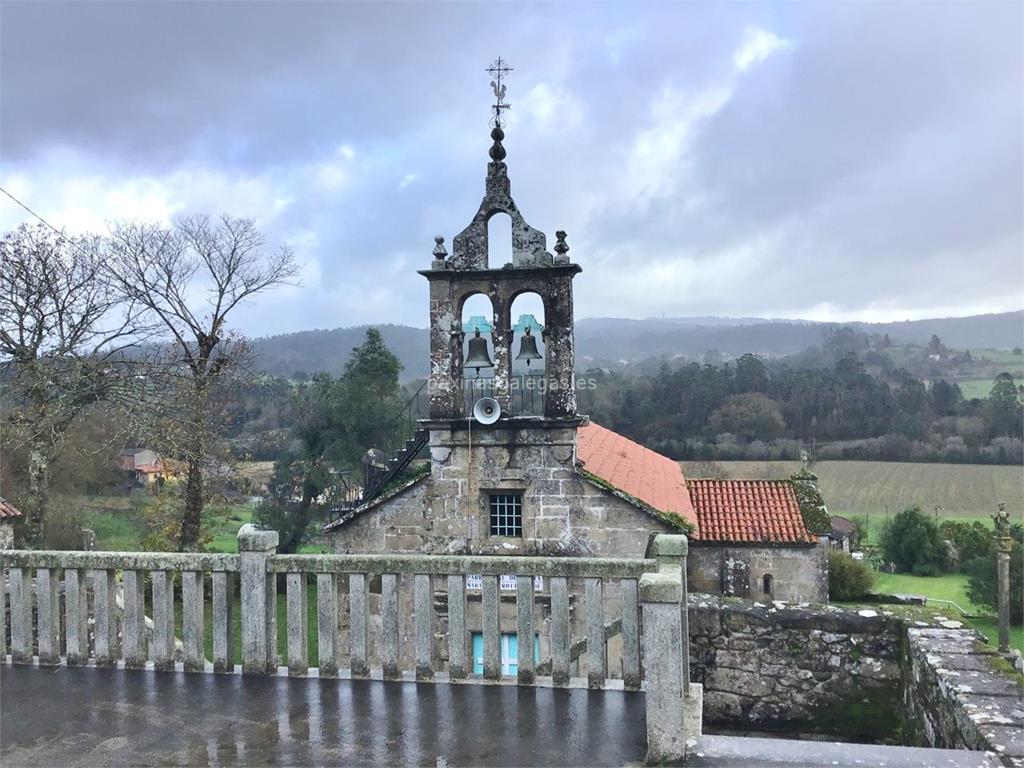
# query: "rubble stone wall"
{"type": "Point", "coordinates": [959, 694]}
{"type": "Point", "coordinates": [790, 667]}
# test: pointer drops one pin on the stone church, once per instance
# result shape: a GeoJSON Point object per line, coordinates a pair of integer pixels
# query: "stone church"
{"type": "Point", "coordinates": [545, 480]}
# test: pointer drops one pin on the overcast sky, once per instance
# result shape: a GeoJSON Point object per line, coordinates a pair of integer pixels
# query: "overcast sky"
{"type": "Point", "coordinates": [823, 160]}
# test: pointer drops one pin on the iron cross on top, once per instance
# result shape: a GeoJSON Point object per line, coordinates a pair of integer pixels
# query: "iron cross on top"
{"type": "Point", "coordinates": [497, 71]}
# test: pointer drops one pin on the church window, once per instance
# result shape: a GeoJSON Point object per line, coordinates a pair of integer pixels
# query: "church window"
{"type": "Point", "coordinates": [506, 514]}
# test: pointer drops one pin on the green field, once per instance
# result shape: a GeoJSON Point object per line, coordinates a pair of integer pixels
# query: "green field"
{"type": "Point", "coordinates": [117, 531]}
{"type": "Point", "coordinates": [951, 587]}
{"type": "Point", "coordinates": [882, 488]}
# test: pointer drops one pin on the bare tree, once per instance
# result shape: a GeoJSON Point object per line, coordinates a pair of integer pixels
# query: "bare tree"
{"type": "Point", "coordinates": [62, 329]}
{"type": "Point", "coordinates": [189, 278]}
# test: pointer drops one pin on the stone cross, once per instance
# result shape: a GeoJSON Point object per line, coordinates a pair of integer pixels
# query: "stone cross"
{"type": "Point", "coordinates": [1004, 545]}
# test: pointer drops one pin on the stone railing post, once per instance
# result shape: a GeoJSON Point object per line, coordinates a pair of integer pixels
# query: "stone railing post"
{"type": "Point", "coordinates": [671, 550]}
{"type": "Point", "coordinates": [259, 600]}
{"type": "Point", "coordinates": [660, 594]}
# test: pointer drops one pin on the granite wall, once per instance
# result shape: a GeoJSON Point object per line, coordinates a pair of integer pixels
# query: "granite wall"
{"type": "Point", "coordinates": [795, 573]}
{"type": "Point", "coordinates": [958, 693]}
{"type": "Point", "coordinates": [796, 667]}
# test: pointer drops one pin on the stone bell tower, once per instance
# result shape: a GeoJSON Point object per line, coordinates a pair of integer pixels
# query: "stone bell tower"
{"type": "Point", "coordinates": [466, 272]}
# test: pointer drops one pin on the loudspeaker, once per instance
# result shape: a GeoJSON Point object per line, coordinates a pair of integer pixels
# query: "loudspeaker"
{"type": "Point", "coordinates": [486, 410]}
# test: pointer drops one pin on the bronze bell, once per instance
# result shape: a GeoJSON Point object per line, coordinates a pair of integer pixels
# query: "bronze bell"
{"type": "Point", "coordinates": [476, 355]}
{"type": "Point", "coordinates": [528, 347]}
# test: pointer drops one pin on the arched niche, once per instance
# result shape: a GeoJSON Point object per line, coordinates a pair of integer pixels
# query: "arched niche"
{"type": "Point", "coordinates": [477, 314]}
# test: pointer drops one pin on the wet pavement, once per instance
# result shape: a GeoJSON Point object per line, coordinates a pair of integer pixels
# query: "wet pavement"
{"type": "Point", "coordinates": [61, 716]}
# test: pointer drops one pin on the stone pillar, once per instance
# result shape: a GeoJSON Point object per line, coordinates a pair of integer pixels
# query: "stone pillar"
{"type": "Point", "coordinates": [670, 550]}
{"type": "Point", "coordinates": [660, 594]}
{"type": "Point", "coordinates": [1003, 547]}
{"type": "Point", "coordinates": [501, 339]}
{"type": "Point", "coordinates": [259, 600]}
{"type": "Point", "coordinates": [444, 390]}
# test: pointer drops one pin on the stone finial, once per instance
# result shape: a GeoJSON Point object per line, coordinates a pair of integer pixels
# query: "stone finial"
{"type": "Point", "coordinates": [497, 151]}
{"type": "Point", "coordinates": [561, 247]}
{"type": "Point", "coordinates": [439, 250]}
{"type": "Point", "coordinates": [440, 253]}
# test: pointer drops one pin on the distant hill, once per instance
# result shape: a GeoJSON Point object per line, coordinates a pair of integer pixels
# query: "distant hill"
{"type": "Point", "coordinates": [615, 341]}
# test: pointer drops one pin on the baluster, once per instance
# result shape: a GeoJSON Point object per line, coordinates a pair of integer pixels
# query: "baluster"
{"type": "Point", "coordinates": [456, 627]}
{"type": "Point", "coordinates": [424, 614]}
{"type": "Point", "coordinates": [389, 621]}
{"type": "Point", "coordinates": [134, 622]}
{"type": "Point", "coordinates": [560, 630]}
{"type": "Point", "coordinates": [104, 588]}
{"type": "Point", "coordinates": [192, 622]}
{"type": "Point", "coordinates": [492, 628]}
{"type": "Point", "coordinates": [357, 620]}
{"type": "Point", "coordinates": [21, 617]}
{"type": "Point", "coordinates": [298, 623]}
{"type": "Point", "coordinates": [327, 623]}
{"type": "Point", "coordinates": [48, 616]}
{"type": "Point", "coordinates": [597, 657]}
{"type": "Point", "coordinates": [76, 613]}
{"type": "Point", "coordinates": [163, 619]}
{"type": "Point", "coordinates": [524, 628]}
{"type": "Point", "coordinates": [630, 635]}
{"type": "Point", "coordinates": [223, 621]}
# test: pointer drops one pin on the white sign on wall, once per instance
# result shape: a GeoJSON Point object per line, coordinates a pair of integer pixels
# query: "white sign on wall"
{"type": "Point", "coordinates": [475, 582]}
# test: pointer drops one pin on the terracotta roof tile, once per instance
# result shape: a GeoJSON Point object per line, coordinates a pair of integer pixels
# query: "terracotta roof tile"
{"type": "Point", "coordinates": [654, 479]}
{"type": "Point", "coordinates": [7, 509]}
{"type": "Point", "coordinates": [748, 511]}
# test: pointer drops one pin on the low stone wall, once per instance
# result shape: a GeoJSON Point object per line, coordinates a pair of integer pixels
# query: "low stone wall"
{"type": "Point", "coordinates": [796, 667]}
{"type": "Point", "coordinates": [960, 694]}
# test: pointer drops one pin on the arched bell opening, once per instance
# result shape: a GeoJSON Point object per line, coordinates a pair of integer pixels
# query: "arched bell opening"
{"type": "Point", "coordinates": [528, 379]}
{"type": "Point", "coordinates": [499, 240]}
{"type": "Point", "coordinates": [477, 348]}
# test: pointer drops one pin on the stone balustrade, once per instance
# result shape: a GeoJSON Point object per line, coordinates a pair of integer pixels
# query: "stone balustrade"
{"type": "Point", "coordinates": [56, 597]}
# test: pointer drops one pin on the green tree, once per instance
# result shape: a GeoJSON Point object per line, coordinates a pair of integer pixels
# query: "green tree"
{"type": "Point", "coordinates": [336, 421]}
{"type": "Point", "coordinates": [1003, 407]}
{"type": "Point", "coordinates": [971, 540]}
{"type": "Point", "coordinates": [751, 374]}
{"type": "Point", "coordinates": [982, 587]}
{"type": "Point", "coordinates": [912, 543]}
{"type": "Point", "coordinates": [752, 416]}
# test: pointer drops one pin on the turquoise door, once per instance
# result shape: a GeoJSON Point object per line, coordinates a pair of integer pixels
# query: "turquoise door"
{"type": "Point", "coordinates": [509, 653]}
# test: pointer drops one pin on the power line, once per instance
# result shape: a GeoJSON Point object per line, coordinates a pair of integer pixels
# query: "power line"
{"type": "Point", "coordinates": [16, 200]}
{"type": "Point", "coordinates": [59, 233]}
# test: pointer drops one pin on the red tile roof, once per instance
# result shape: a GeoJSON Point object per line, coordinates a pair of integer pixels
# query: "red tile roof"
{"type": "Point", "coordinates": [654, 479]}
{"type": "Point", "coordinates": [748, 511]}
{"type": "Point", "coordinates": [7, 509]}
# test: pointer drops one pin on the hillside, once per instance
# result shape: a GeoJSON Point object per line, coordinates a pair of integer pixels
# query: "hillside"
{"type": "Point", "coordinates": [613, 342]}
{"type": "Point", "coordinates": [882, 487]}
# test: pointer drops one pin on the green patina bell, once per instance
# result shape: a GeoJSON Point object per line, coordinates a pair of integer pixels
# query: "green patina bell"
{"type": "Point", "coordinates": [477, 356]}
{"type": "Point", "coordinates": [528, 347]}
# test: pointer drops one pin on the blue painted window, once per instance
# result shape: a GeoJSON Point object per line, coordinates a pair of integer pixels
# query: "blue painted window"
{"type": "Point", "coordinates": [509, 652]}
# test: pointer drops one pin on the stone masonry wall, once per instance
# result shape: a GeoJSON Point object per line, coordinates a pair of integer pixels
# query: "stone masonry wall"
{"type": "Point", "coordinates": [797, 573]}
{"type": "Point", "coordinates": [447, 511]}
{"type": "Point", "coordinates": [956, 696]}
{"type": "Point", "coordinates": [790, 667]}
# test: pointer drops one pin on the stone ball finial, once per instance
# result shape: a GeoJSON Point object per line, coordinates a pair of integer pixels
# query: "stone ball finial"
{"type": "Point", "coordinates": [439, 250]}
{"type": "Point", "coordinates": [561, 247]}
{"type": "Point", "coordinates": [497, 151]}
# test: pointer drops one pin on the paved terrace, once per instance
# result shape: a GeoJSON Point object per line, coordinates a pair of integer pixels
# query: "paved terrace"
{"type": "Point", "coordinates": [88, 716]}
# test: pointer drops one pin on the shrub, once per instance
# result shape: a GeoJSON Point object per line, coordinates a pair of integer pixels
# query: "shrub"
{"type": "Point", "coordinates": [912, 543]}
{"type": "Point", "coordinates": [848, 579]}
{"type": "Point", "coordinates": [970, 540]}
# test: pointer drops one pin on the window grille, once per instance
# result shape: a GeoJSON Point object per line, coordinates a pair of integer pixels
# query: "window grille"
{"type": "Point", "coordinates": [506, 514]}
